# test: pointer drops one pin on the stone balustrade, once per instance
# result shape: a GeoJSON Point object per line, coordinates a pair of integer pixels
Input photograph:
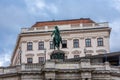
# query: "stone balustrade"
{"type": "Point", "coordinates": [11, 69]}
{"type": "Point", "coordinates": [65, 27]}
{"type": "Point", "coordinates": [39, 67]}
{"type": "Point", "coordinates": [28, 67]}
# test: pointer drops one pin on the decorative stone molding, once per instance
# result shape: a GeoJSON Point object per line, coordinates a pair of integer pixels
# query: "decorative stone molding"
{"type": "Point", "coordinates": [23, 41]}
{"type": "Point", "coordinates": [76, 52]}
{"type": "Point", "coordinates": [69, 38]}
{"type": "Point", "coordinates": [29, 55]}
{"type": "Point", "coordinates": [47, 40]}
{"type": "Point", "coordinates": [40, 54]}
{"type": "Point", "coordinates": [89, 51]}
{"type": "Point", "coordinates": [101, 51]}
{"type": "Point", "coordinates": [106, 36]}
{"type": "Point", "coordinates": [35, 41]}
{"type": "Point", "coordinates": [81, 37]}
{"type": "Point", "coordinates": [94, 37]}
{"type": "Point", "coordinates": [66, 52]}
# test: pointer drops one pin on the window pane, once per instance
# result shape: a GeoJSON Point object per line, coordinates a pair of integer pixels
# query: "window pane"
{"type": "Point", "coordinates": [41, 59]}
{"type": "Point", "coordinates": [64, 43]}
{"type": "Point", "coordinates": [29, 46]}
{"type": "Point", "coordinates": [100, 41]}
{"type": "Point", "coordinates": [41, 45]}
{"type": "Point", "coordinates": [88, 42]}
{"type": "Point", "coordinates": [29, 60]}
{"type": "Point", "coordinates": [51, 45]}
{"type": "Point", "coordinates": [76, 43]}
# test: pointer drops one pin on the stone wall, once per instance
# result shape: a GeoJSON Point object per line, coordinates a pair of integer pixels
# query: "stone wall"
{"type": "Point", "coordinates": [60, 70]}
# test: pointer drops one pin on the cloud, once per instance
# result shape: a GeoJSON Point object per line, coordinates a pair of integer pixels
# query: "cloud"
{"type": "Point", "coordinates": [40, 7]}
{"type": "Point", "coordinates": [116, 4]}
{"type": "Point", "coordinates": [5, 57]}
{"type": "Point", "coordinates": [115, 35]}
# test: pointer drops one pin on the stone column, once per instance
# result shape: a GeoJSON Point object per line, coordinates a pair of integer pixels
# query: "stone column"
{"type": "Point", "coordinates": [85, 69]}
{"type": "Point", "coordinates": [107, 66]}
{"type": "Point", "coordinates": [49, 70]}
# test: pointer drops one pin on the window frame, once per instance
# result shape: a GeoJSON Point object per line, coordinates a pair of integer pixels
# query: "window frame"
{"type": "Point", "coordinates": [75, 43]}
{"type": "Point", "coordinates": [100, 42]}
{"type": "Point", "coordinates": [29, 60]}
{"type": "Point", "coordinates": [41, 45]}
{"type": "Point", "coordinates": [41, 59]}
{"type": "Point", "coordinates": [29, 46]}
{"type": "Point", "coordinates": [51, 45]}
{"type": "Point", "coordinates": [63, 43]}
{"type": "Point", "coordinates": [88, 42]}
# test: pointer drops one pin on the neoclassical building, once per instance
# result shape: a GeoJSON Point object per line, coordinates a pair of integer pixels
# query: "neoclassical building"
{"type": "Point", "coordinates": [85, 45]}
{"type": "Point", "coordinates": [80, 37]}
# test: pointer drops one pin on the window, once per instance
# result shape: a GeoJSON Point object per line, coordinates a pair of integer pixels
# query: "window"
{"type": "Point", "coordinates": [76, 56]}
{"type": "Point", "coordinates": [41, 59]}
{"type": "Point", "coordinates": [88, 42]}
{"type": "Point", "coordinates": [41, 45]}
{"type": "Point", "coordinates": [29, 46]}
{"type": "Point", "coordinates": [64, 43]}
{"type": "Point", "coordinates": [51, 45]}
{"type": "Point", "coordinates": [76, 43]}
{"type": "Point", "coordinates": [100, 41]}
{"type": "Point", "coordinates": [29, 60]}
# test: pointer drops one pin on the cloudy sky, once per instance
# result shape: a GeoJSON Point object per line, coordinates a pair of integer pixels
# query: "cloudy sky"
{"type": "Point", "coordinates": [17, 14]}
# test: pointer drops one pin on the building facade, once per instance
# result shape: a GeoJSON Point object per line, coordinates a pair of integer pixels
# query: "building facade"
{"type": "Point", "coordinates": [84, 44]}
{"type": "Point", "coordinates": [80, 37]}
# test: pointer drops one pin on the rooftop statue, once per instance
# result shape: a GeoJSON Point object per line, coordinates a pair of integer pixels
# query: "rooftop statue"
{"type": "Point", "coordinates": [56, 38]}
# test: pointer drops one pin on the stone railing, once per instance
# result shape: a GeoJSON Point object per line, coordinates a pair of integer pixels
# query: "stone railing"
{"type": "Point", "coordinates": [6, 70]}
{"type": "Point", "coordinates": [27, 67]}
{"type": "Point", "coordinates": [115, 69]}
{"type": "Point", "coordinates": [23, 67]}
{"type": "Point", "coordinates": [65, 27]}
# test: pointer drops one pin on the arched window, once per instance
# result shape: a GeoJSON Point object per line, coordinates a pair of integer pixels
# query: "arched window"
{"type": "Point", "coordinates": [88, 42]}
{"type": "Point", "coordinates": [41, 45]}
{"type": "Point", "coordinates": [99, 41]}
{"type": "Point", "coordinates": [76, 43]}
{"type": "Point", "coordinates": [29, 46]}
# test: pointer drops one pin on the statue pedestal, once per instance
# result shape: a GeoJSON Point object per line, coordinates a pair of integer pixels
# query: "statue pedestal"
{"type": "Point", "coordinates": [57, 55]}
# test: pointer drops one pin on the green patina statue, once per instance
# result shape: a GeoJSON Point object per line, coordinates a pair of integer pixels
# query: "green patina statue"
{"type": "Point", "coordinates": [56, 38]}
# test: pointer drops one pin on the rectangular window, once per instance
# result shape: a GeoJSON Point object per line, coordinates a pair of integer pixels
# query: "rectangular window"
{"type": "Point", "coordinates": [76, 43]}
{"type": "Point", "coordinates": [88, 42]}
{"type": "Point", "coordinates": [100, 41]}
{"type": "Point", "coordinates": [51, 45]}
{"type": "Point", "coordinates": [29, 46]}
{"type": "Point", "coordinates": [41, 59]}
{"type": "Point", "coordinates": [29, 60]}
{"type": "Point", "coordinates": [76, 56]}
{"type": "Point", "coordinates": [64, 43]}
{"type": "Point", "coordinates": [41, 45]}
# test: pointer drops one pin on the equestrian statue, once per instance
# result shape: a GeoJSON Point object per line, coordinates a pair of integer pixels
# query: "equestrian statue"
{"type": "Point", "coordinates": [56, 38]}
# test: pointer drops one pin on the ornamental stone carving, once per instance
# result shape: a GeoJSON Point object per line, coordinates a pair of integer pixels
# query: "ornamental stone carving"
{"type": "Point", "coordinates": [29, 55]}
{"type": "Point", "coordinates": [76, 52]}
{"type": "Point", "coordinates": [101, 51]}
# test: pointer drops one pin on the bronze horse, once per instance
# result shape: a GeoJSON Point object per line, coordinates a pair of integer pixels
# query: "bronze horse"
{"type": "Point", "coordinates": [56, 38]}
